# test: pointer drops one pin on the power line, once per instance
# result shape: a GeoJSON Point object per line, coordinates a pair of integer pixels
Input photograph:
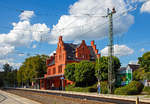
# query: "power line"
{"type": "Point", "coordinates": [105, 23]}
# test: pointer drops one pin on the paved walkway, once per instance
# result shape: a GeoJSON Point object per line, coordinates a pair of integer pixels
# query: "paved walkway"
{"type": "Point", "coordinates": [7, 98]}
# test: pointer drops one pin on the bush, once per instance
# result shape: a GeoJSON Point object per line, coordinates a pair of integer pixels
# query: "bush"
{"type": "Point", "coordinates": [81, 89]}
{"type": "Point", "coordinates": [104, 87]}
{"type": "Point", "coordinates": [93, 88]}
{"type": "Point", "coordinates": [146, 90]}
{"type": "Point", "coordinates": [132, 88]}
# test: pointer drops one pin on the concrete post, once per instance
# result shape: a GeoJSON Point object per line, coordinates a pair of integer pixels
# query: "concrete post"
{"type": "Point", "coordinates": [137, 100]}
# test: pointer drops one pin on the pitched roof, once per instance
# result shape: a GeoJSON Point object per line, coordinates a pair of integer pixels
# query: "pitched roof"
{"type": "Point", "coordinates": [71, 50]}
{"type": "Point", "coordinates": [92, 54]}
{"type": "Point", "coordinates": [52, 62]}
{"type": "Point", "coordinates": [122, 68]}
{"type": "Point", "coordinates": [133, 66]}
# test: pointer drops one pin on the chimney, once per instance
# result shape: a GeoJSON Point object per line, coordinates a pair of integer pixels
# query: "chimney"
{"type": "Point", "coordinates": [60, 38]}
{"type": "Point", "coordinates": [92, 43]}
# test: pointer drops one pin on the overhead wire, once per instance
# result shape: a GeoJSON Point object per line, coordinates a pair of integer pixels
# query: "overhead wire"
{"type": "Point", "coordinates": [71, 22]}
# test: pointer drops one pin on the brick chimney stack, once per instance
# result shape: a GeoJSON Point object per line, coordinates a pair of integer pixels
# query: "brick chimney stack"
{"type": "Point", "coordinates": [60, 38]}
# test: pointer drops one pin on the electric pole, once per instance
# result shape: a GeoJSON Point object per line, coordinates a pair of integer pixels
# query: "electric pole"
{"type": "Point", "coordinates": [111, 75]}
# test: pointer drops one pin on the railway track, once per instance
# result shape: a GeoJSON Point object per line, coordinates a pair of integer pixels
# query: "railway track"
{"type": "Point", "coordinates": [78, 96]}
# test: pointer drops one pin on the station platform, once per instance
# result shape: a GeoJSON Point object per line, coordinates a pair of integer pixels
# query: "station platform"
{"type": "Point", "coordinates": [8, 98]}
{"type": "Point", "coordinates": [142, 98]}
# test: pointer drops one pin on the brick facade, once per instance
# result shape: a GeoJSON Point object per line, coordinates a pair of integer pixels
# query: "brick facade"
{"type": "Point", "coordinates": [66, 53]}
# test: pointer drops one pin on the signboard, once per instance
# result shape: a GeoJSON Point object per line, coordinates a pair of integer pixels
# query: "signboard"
{"type": "Point", "coordinates": [62, 78]}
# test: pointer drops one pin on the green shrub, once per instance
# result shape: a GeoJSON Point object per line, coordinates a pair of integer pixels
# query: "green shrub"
{"type": "Point", "coordinates": [121, 91]}
{"type": "Point", "coordinates": [132, 88]}
{"type": "Point", "coordinates": [104, 87]}
{"type": "Point", "coordinates": [146, 90]}
{"type": "Point", "coordinates": [80, 89]}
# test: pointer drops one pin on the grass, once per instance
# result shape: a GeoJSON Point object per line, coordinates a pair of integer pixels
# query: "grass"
{"type": "Point", "coordinates": [148, 96]}
{"type": "Point", "coordinates": [81, 89]}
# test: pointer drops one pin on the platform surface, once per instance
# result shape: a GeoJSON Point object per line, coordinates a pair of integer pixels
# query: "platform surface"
{"type": "Point", "coordinates": [7, 98]}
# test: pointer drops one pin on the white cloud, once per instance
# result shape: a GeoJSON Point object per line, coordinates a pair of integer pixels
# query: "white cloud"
{"type": "Point", "coordinates": [146, 7]}
{"type": "Point", "coordinates": [77, 41]}
{"type": "Point", "coordinates": [78, 26]}
{"type": "Point", "coordinates": [10, 62]}
{"type": "Point", "coordinates": [21, 54]}
{"type": "Point", "coordinates": [40, 32]}
{"type": "Point", "coordinates": [22, 34]}
{"type": "Point", "coordinates": [119, 50]}
{"type": "Point", "coordinates": [133, 62]}
{"type": "Point", "coordinates": [6, 49]}
{"type": "Point", "coordinates": [26, 15]}
{"type": "Point", "coordinates": [34, 46]}
{"type": "Point", "coordinates": [52, 53]}
{"type": "Point", "coordinates": [142, 50]}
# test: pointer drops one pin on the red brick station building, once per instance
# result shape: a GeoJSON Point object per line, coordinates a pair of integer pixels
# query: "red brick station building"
{"type": "Point", "coordinates": [65, 53]}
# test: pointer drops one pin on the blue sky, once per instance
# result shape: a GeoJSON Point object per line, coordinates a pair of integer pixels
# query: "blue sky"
{"type": "Point", "coordinates": [41, 22]}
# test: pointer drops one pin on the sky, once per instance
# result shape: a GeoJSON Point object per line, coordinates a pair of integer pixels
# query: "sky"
{"type": "Point", "coordinates": [31, 27]}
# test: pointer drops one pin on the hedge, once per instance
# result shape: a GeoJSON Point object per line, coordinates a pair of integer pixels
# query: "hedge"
{"type": "Point", "coordinates": [132, 88]}
{"type": "Point", "coordinates": [104, 88]}
{"type": "Point", "coordinates": [146, 90]}
{"type": "Point", "coordinates": [81, 89]}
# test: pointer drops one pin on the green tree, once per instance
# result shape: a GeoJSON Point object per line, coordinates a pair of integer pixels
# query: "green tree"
{"type": "Point", "coordinates": [85, 73]}
{"type": "Point", "coordinates": [139, 74]}
{"type": "Point", "coordinates": [143, 72]}
{"type": "Point", "coordinates": [7, 68]}
{"type": "Point", "coordinates": [20, 75]}
{"type": "Point", "coordinates": [33, 67]}
{"type": "Point", "coordinates": [70, 72]}
{"type": "Point", "coordinates": [144, 61]}
{"type": "Point", "coordinates": [9, 75]}
{"type": "Point", "coordinates": [1, 79]}
{"type": "Point", "coordinates": [101, 67]}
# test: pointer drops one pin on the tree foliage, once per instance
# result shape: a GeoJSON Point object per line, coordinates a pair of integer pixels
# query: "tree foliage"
{"type": "Point", "coordinates": [143, 72]}
{"type": "Point", "coordinates": [33, 67]}
{"type": "Point", "coordinates": [144, 61]}
{"type": "Point", "coordinates": [70, 71]}
{"type": "Point", "coordinates": [7, 68]}
{"type": "Point", "coordinates": [101, 67]}
{"type": "Point", "coordinates": [83, 73]}
{"type": "Point", "coordinates": [1, 79]}
{"type": "Point", "coordinates": [8, 76]}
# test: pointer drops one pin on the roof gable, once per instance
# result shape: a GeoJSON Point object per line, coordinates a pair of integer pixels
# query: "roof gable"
{"type": "Point", "coordinates": [133, 66]}
{"type": "Point", "coordinates": [71, 50]}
